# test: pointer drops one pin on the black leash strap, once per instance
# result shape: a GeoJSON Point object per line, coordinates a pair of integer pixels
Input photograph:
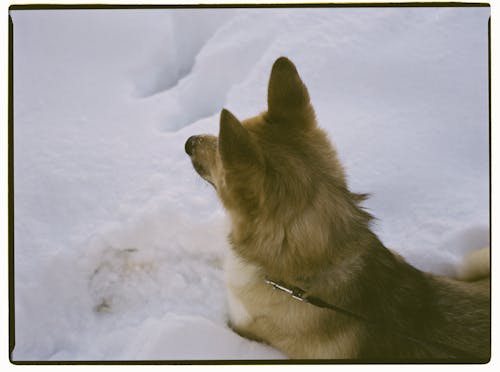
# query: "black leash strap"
{"type": "Point", "coordinates": [299, 295]}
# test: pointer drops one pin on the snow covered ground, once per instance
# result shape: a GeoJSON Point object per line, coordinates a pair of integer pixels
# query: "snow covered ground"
{"type": "Point", "coordinates": [119, 244]}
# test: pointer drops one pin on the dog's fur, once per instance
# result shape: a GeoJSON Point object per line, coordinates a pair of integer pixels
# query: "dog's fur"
{"type": "Point", "coordinates": [294, 220]}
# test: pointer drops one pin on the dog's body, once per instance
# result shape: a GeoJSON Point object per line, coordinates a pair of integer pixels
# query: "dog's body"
{"type": "Point", "coordinates": [295, 221]}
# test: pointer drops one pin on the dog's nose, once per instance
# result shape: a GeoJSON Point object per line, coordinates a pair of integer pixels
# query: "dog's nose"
{"type": "Point", "coordinates": [189, 145]}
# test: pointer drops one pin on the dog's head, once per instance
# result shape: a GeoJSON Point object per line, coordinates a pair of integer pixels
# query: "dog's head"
{"type": "Point", "coordinates": [280, 152]}
{"type": "Point", "coordinates": [278, 175]}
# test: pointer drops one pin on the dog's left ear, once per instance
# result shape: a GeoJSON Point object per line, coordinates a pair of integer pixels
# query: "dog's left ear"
{"type": "Point", "coordinates": [287, 96]}
{"type": "Point", "coordinates": [235, 146]}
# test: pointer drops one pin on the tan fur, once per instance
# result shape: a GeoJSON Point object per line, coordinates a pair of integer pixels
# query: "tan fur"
{"type": "Point", "coordinates": [476, 265]}
{"type": "Point", "coordinates": [294, 220]}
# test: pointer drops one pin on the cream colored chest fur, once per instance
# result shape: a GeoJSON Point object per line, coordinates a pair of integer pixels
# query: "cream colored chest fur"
{"type": "Point", "coordinates": [240, 277]}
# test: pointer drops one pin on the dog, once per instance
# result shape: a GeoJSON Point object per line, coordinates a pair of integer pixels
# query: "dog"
{"type": "Point", "coordinates": [295, 226]}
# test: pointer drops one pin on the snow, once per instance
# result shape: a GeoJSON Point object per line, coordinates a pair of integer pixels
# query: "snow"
{"type": "Point", "coordinates": [118, 243]}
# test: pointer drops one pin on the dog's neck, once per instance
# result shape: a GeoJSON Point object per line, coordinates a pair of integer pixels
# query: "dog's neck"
{"type": "Point", "coordinates": [297, 239]}
{"type": "Point", "coordinates": [302, 263]}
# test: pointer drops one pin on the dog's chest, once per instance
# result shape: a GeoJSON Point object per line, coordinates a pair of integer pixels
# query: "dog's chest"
{"type": "Point", "coordinates": [242, 281]}
{"type": "Point", "coordinates": [298, 329]}
{"type": "Point", "coordinates": [249, 298]}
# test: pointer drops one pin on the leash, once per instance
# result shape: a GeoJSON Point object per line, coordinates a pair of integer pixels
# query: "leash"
{"type": "Point", "coordinates": [300, 295]}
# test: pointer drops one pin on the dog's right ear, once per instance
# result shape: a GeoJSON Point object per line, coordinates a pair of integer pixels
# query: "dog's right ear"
{"type": "Point", "coordinates": [235, 145]}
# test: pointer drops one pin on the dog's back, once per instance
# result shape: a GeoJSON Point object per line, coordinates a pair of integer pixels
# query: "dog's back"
{"type": "Point", "coordinates": [422, 316]}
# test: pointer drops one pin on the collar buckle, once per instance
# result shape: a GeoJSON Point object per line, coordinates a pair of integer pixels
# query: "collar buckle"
{"type": "Point", "coordinates": [296, 293]}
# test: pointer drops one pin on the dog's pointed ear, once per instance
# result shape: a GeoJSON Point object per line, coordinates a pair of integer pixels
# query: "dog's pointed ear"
{"type": "Point", "coordinates": [287, 96]}
{"type": "Point", "coordinates": [235, 145]}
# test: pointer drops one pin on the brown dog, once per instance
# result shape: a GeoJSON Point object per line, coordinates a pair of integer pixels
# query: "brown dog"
{"type": "Point", "coordinates": [294, 221]}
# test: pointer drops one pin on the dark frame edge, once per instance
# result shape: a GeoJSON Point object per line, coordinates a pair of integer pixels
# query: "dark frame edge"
{"type": "Point", "coordinates": [10, 188]}
{"type": "Point", "coordinates": [253, 362]}
{"type": "Point", "coordinates": [48, 6]}
{"type": "Point", "coordinates": [489, 156]}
